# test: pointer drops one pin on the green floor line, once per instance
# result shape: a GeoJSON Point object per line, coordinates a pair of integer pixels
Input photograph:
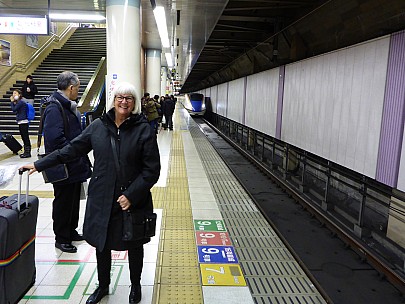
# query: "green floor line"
{"type": "Point", "coordinates": [70, 288]}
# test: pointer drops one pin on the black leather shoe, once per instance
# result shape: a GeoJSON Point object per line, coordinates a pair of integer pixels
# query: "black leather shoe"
{"type": "Point", "coordinates": [77, 237]}
{"type": "Point", "coordinates": [97, 295]}
{"type": "Point", "coordinates": [66, 247]}
{"type": "Point", "coordinates": [135, 295]}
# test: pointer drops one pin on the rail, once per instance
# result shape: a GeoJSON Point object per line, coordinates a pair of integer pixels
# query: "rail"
{"type": "Point", "coordinates": [21, 67]}
{"type": "Point", "coordinates": [91, 95]}
{"type": "Point", "coordinates": [92, 102]}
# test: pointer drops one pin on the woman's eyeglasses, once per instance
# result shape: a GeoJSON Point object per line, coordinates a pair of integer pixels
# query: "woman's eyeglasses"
{"type": "Point", "coordinates": [127, 98]}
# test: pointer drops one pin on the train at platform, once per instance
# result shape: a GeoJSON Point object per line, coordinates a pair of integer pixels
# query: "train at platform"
{"type": "Point", "coordinates": [194, 103]}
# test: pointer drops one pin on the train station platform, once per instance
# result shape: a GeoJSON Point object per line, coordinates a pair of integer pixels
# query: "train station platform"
{"type": "Point", "coordinates": [212, 244]}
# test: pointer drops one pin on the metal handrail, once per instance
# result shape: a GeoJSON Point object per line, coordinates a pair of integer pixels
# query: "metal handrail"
{"type": "Point", "coordinates": [361, 184]}
{"type": "Point", "coordinates": [96, 111]}
{"type": "Point", "coordinates": [91, 94]}
{"type": "Point", "coordinates": [20, 66]}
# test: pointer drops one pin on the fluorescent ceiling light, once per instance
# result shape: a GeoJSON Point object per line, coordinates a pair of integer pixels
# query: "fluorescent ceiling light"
{"type": "Point", "coordinates": [160, 18]}
{"type": "Point", "coordinates": [76, 17]}
{"type": "Point", "coordinates": [169, 59]}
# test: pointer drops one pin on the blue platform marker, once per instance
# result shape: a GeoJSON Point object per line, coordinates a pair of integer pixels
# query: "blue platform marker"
{"type": "Point", "coordinates": [217, 254]}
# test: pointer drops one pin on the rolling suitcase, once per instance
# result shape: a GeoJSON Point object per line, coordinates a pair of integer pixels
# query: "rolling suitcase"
{"type": "Point", "coordinates": [11, 143]}
{"type": "Point", "coordinates": [18, 221]}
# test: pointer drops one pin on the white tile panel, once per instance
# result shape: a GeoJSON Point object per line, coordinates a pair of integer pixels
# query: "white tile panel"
{"type": "Point", "coordinates": [222, 99]}
{"type": "Point", "coordinates": [333, 104]}
{"type": "Point", "coordinates": [236, 95]}
{"type": "Point", "coordinates": [214, 94]}
{"type": "Point", "coordinates": [261, 101]}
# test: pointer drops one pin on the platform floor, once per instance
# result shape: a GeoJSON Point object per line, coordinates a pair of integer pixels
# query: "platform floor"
{"type": "Point", "coordinates": [202, 252]}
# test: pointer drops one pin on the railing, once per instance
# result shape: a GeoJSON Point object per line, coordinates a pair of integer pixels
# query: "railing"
{"type": "Point", "coordinates": [355, 203]}
{"type": "Point", "coordinates": [92, 96]}
{"type": "Point", "coordinates": [97, 110]}
{"type": "Point", "coordinates": [21, 67]}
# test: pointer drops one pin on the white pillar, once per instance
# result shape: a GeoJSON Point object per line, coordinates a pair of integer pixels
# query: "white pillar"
{"type": "Point", "coordinates": [123, 45]}
{"type": "Point", "coordinates": [153, 71]}
{"type": "Point", "coordinates": [163, 81]}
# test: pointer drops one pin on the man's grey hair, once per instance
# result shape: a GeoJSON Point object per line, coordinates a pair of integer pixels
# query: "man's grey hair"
{"type": "Point", "coordinates": [66, 79]}
{"type": "Point", "coordinates": [127, 88]}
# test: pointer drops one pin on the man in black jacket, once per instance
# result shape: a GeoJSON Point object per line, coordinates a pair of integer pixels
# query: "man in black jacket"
{"type": "Point", "coordinates": [65, 208]}
{"type": "Point", "coordinates": [168, 110]}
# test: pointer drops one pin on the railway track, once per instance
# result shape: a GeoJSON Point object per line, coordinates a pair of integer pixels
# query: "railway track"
{"type": "Point", "coordinates": [345, 268]}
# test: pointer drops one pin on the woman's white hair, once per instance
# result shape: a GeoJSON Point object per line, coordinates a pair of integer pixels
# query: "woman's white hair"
{"type": "Point", "coordinates": [127, 88]}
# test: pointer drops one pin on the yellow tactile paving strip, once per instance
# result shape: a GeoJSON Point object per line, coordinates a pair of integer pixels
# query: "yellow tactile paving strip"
{"type": "Point", "coordinates": [177, 277]}
{"type": "Point", "coordinates": [42, 194]}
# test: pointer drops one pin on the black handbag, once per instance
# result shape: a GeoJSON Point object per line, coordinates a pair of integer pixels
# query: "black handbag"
{"type": "Point", "coordinates": [135, 225]}
{"type": "Point", "coordinates": [59, 172]}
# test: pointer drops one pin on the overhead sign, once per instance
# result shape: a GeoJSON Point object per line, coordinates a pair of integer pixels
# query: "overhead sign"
{"type": "Point", "coordinates": [24, 25]}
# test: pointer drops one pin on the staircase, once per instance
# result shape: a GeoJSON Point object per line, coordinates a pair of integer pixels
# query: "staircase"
{"type": "Point", "coordinates": [80, 54]}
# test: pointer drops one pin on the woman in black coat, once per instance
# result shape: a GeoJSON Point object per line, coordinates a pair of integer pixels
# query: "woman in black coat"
{"type": "Point", "coordinates": [29, 90]}
{"type": "Point", "coordinates": [109, 194]}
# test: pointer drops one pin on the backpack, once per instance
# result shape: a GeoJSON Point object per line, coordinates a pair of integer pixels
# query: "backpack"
{"type": "Point", "coordinates": [43, 101]}
{"type": "Point", "coordinates": [30, 112]}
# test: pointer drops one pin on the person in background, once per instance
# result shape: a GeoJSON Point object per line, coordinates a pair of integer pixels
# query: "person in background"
{"type": "Point", "coordinates": [152, 114]}
{"type": "Point", "coordinates": [159, 109]}
{"type": "Point", "coordinates": [168, 110]}
{"type": "Point", "coordinates": [158, 106]}
{"type": "Point", "coordinates": [110, 193]}
{"type": "Point", "coordinates": [29, 90]}
{"type": "Point", "coordinates": [66, 204]}
{"type": "Point", "coordinates": [19, 107]}
{"type": "Point", "coordinates": [144, 100]}
{"type": "Point", "coordinates": [173, 98]}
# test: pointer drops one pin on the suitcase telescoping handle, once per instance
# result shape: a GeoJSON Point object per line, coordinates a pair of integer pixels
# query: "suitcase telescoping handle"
{"type": "Point", "coordinates": [20, 172]}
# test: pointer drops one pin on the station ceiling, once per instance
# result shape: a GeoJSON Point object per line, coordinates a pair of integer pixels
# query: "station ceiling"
{"type": "Point", "coordinates": [215, 41]}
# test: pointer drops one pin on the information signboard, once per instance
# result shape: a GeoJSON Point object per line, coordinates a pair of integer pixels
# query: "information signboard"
{"type": "Point", "coordinates": [36, 25]}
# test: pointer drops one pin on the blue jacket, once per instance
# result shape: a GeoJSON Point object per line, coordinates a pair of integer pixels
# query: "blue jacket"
{"type": "Point", "coordinates": [20, 108]}
{"type": "Point", "coordinates": [55, 136]}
